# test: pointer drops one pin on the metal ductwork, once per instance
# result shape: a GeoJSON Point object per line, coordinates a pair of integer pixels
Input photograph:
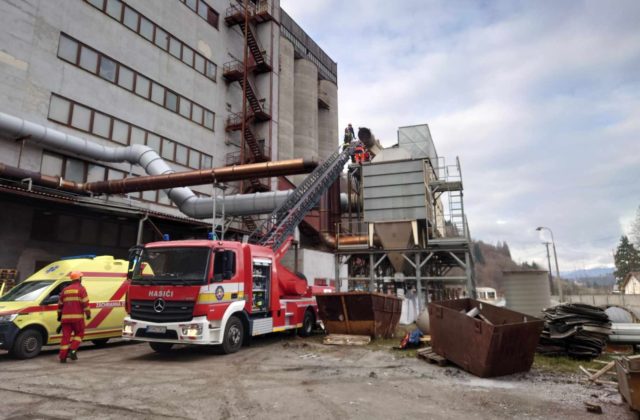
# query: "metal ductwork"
{"type": "Point", "coordinates": [186, 200]}
{"type": "Point", "coordinates": [203, 176]}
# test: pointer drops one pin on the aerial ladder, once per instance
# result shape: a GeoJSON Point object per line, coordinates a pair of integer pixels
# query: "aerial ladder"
{"type": "Point", "coordinates": [276, 232]}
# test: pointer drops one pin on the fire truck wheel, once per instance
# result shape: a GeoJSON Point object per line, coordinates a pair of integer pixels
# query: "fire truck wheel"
{"type": "Point", "coordinates": [233, 334]}
{"type": "Point", "coordinates": [307, 324]}
{"type": "Point", "coordinates": [27, 345]}
{"type": "Point", "coordinates": [100, 342]}
{"type": "Point", "coordinates": [161, 347]}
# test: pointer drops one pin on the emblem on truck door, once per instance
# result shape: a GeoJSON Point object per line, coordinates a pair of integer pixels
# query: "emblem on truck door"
{"type": "Point", "coordinates": [219, 293]}
{"type": "Point", "coordinates": [158, 305]}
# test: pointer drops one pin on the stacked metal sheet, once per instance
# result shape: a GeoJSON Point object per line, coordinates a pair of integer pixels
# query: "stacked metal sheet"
{"type": "Point", "coordinates": [575, 330]}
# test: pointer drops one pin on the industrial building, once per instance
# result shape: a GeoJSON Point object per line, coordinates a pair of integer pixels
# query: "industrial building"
{"type": "Point", "coordinates": [171, 75]}
{"type": "Point", "coordinates": [108, 138]}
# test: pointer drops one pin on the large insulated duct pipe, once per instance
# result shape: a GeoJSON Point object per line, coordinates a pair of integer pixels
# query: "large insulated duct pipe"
{"type": "Point", "coordinates": [203, 176]}
{"type": "Point", "coordinates": [186, 200]}
{"type": "Point", "coordinates": [54, 182]}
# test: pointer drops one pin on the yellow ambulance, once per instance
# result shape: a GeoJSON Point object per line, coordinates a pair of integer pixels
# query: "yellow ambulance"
{"type": "Point", "coordinates": [28, 312]}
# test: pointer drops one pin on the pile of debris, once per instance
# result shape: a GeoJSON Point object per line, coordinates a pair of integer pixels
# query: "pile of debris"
{"type": "Point", "coordinates": [574, 329]}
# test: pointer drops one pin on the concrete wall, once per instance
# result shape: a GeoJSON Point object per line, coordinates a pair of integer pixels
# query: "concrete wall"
{"type": "Point", "coordinates": [285, 123]}
{"type": "Point", "coordinates": [31, 72]}
{"type": "Point", "coordinates": [305, 111]}
{"type": "Point", "coordinates": [631, 302]}
{"type": "Point", "coordinates": [327, 119]}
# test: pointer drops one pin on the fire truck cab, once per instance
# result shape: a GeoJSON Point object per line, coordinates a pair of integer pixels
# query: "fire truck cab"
{"type": "Point", "coordinates": [213, 293]}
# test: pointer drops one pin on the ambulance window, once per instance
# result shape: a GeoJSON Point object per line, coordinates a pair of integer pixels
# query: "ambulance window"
{"type": "Point", "coordinates": [27, 291]}
{"type": "Point", "coordinates": [224, 265]}
{"type": "Point", "coordinates": [55, 293]}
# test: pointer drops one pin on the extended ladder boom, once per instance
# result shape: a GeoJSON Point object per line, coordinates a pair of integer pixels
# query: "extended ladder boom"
{"type": "Point", "coordinates": [283, 221]}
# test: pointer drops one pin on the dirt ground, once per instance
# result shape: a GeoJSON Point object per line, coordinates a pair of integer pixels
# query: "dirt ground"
{"type": "Point", "coordinates": [281, 376]}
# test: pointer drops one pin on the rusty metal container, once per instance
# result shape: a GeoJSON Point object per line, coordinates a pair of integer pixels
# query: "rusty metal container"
{"type": "Point", "coordinates": [629, 381]}
{"type": "Point", "coordinates": [360, 313]}
{"type": "Point", "coordinates": [504, 345]}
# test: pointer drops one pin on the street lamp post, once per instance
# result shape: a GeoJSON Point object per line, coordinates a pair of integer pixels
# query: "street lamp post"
{"type": "Point", "coordinates": [555, 254]}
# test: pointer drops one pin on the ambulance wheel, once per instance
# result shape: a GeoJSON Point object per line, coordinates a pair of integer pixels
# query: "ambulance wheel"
{"type": "Point", "coordinates": [27, 345]}
{"type": "Point", "coordinates": [100, 342]}
{"type": "Point", "coordinates": [161, 347]}
{"type": "Point", "coordinates": [307, 324]}
{"type": "Point", "coordinates": [233, 334]}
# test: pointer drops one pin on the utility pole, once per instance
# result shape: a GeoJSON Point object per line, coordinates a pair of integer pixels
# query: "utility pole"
{"type": "Point", "coordinates": [555, 254]}
{"type": "Point", "coordinates": [546, 244]}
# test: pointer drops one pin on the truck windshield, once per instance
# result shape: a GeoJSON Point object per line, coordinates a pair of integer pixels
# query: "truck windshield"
{"type": "Point", "coordinates": [26, 291]}
{"type": "Point", "coordinates": [180, 266]}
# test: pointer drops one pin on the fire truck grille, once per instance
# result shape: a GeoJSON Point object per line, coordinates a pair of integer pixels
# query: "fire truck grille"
{"type": "Point", "coordinates": [174, 311]}
{"type": "Point", "coordinates": [169, 335]}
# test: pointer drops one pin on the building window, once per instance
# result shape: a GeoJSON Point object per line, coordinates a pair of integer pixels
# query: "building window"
{"type": "Point", "coordinates": [114, 9]}
{"type": "Point", "coordinates": [51, 164]}
{"type": "Point", "coordinates": [88, 60]}
{"type": "Point", "coordinates": [203, 10]}
{"type": "Point", "coordinates": [68, 50]}
{"type": "Point", "coordinates": [67, 112]}
{"type": "Point", "coordinates": [112, 71]}
{"type": "Point", "coordinates": [59, 110]}
{"type": "Point", "coordinates": [153, 142]}
{"type": "Point", "coordinates": [125, 78]}
{"type": "Point", "coordinates": [137, 135]}
{"type": "Point", "coordinates": [81, 118]}
{"type": "Point", "coordinates": [107, 69]}
{"type": "Point", "coordinates": [74, 170]}
{"type": "Point", "coordinates": [181, 154]}
{"type": "Point", "coordinates": [101, 125]}
{"type": "Point", "coordinates": [142, 86]}
{"type": "Point", "coordinates": [174, 47]}
{"type": "Point", "coordinates": [144, 27]}
{"type": "Point", "coordinates": [172, 101]}
{"type": "Point", "coordinates": [162, 40]}
{"type": "Point", "coordinates": [168, 149]}
{"type": "Point", "coordinates": [131, 18]}
{"type": "Point", "coordinates": [120, 132]}
{"type": "Point", "coordinates": [157, 94]}
{"type": "Point", "coordinates": [95, 173]}
{"type": "Point", "coordinates": [194, 159]}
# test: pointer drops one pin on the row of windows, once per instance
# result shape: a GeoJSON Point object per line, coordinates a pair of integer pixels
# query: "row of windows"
{"type": "Point", "coordinates": [78, 116]}
{"type": "Point", "coordinates": [112, 71]}
{"type": "Point", "coordinates": [144, 27]}
{"type": "Point", "coordinates": [203, 10]}
{"type": "Point", "coordinates": [81, 171]}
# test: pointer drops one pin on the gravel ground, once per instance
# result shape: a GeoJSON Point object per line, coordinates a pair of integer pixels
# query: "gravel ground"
{"type": "Point", "coordinates": [284, 376]}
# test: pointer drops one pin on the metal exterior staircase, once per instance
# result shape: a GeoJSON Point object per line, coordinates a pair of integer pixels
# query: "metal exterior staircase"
{"type": "Point", "coordinates": [283, 221]}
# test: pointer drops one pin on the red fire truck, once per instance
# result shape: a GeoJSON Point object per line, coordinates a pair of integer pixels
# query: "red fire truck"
{"type": "Point", "coordinates": [225, 292]}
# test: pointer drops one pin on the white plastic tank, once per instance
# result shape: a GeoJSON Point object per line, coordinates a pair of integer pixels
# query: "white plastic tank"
{"type": "Point", "coordinates": [527, 291]}
{"type": "Point", "coordinates": [285, 101]}
{"type": "Point", "coordinates": [328, 137]}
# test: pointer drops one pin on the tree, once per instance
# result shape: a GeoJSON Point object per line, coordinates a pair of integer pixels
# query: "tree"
{"type": "Point", "coordinates": [626, 259]}
{"type": "Point", "coordinates": [635, 229]}
{"type": "Point", "coordinates": [505, 249]}
{"type": "Point", "coordinates": [477, 253]}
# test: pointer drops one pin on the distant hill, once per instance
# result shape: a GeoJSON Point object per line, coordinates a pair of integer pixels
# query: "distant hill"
{"type": "Point", "coordinates": [490, 261]}
{"type": "Point", "coordinates": [591, 272]}
{"type": "Point", "coordinates": [599, 276]}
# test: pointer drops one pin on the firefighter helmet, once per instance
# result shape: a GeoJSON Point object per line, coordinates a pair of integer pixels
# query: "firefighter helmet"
{"type": "Point", "coordinates": [75, 275]}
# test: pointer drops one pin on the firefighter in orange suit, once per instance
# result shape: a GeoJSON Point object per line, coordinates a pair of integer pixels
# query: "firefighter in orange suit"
{"type": "Point", "coordinates": [359, 153]}
{"type": "Point", "coordinates": [73, 306]}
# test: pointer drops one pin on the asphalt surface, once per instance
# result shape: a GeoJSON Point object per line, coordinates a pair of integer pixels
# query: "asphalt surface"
{"type": "Point", "coordinates": [281, 376]}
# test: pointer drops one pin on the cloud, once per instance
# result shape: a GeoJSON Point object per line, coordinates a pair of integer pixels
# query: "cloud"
{"type": "Point", "coordinates": [541, 101]}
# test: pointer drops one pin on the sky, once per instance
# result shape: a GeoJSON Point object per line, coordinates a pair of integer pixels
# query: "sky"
{"type": "Point", "coordinates": [540, 100]}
